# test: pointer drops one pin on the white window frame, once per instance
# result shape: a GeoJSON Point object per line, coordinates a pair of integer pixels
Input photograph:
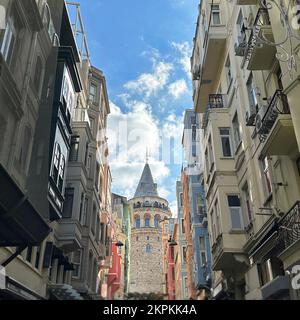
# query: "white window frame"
{"type": "Point", "coordinates": [216, 11]}
{"type": "Point", "coordinates": [236, 131]}
{"type": "Point", "coordinates": [267, 176]}
{"type": "Point", "coordinates": [203, 251]}
{"type": "Point", "coordinates": [226, 136]}
{"type": "Point", "coordinates": [77, 264]}
{"type": "Point", "coordinates": [10, 32]}
{"type": "Point", "coordinates": [240, 211]}
{"type": "Point", "coordinates": [93, 95]}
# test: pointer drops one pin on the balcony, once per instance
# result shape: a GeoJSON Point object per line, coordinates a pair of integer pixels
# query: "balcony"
{"type": "Point", "coordinates": [246, 2]}
{"type": "Point", "coordinates": [69, 234]}
{"type": "Point", "coordinates": [241, 46]}
{"type": "Point", "coordinates": [289, 228]}
{"type": "Point", "coordinates": [81, 115]}
{"type": "Point", "coordinates": [276, 289]}
{"type": "Point", "coordinates": [228, 254]}
{"type": "Point", "coordinates": [215, 44]}
{"type": "Point", "coordinates": [215, 101]}
{"type": "Point", "coordinates": [275, 127]}
{"type": "Point", "coordinates": [259, 53]}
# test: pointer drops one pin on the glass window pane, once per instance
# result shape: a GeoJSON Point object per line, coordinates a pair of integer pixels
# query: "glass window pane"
{"type": "Point", "coordinates": [226, 147]}
{"type": "Point", "coordinates": [234, 201]}
{"type": "Point", "coordinates": [236, 221]}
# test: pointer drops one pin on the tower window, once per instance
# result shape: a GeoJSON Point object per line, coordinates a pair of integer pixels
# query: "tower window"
{"type": "Point", "coordinates": [137, 222]}
{"type": "Point", "coordinates": [147, 222]}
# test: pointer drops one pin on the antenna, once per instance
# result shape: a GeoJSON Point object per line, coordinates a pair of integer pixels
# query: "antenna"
{"type": "Point", "coordinates": [147, 155]}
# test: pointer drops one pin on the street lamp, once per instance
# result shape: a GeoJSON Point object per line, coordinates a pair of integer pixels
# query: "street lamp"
{"type": "Point", "coordinates": [172, 243]}
{"type": "Point", "coordinates": [119, 244]}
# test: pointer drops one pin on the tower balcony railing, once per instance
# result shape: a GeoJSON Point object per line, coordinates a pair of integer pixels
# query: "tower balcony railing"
{"type": "Point", "coordinates": [289, 228]}
{"type": "Point", "coordinates": [278, 106]}
{"type": "Point", "coordinates": [215, 101]}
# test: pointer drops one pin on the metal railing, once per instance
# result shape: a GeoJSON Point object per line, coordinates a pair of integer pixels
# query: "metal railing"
{"type": "Point", "coordinates": [278, 105]}
{"type": "Point", "coordinates": [215, 101]}
{"type": "Point", "coordinates": [241, 46]}
{"type": "Point", "coordinates": [262, 19]}
{"type": "Point", "coordinates": [289, 227]}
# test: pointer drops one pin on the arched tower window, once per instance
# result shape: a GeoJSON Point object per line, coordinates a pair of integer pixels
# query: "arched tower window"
{"type": "Point", "coordinates": [148, 248]}
{"type": "Point", "coordinates": [137, 222]}
{"type": "Point", "coordinates": [147, 220]}
{"type": "Point", "coordinates": [156, 221]}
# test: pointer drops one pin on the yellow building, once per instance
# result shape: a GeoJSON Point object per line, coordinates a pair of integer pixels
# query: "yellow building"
{"type": "Point", "coordinates": [246, 92]}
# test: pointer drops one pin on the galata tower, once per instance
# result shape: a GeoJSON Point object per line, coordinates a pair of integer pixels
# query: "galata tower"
{"type": "Point", "coordinates": [148, 210]}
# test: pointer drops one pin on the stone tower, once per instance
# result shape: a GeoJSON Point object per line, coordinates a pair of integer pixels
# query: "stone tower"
{"type": "Point", "coordinates": [146, 254]}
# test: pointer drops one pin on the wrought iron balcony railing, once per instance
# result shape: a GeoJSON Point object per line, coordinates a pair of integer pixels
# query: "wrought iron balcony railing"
{"type": "Point", "coordinates": [241, 46]}
{"type": "Point", "coordinates": [262, 19]}
{"type": "Point", "coordinates": [289, 227]}
{"type": "Point", "coordinates": [215, 101]}
{"type": "Point", "coordinates": [278, 105]}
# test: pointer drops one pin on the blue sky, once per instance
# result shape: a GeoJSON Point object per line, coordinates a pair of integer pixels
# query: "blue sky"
{"type": "Point", "coordinates": [143, 48]}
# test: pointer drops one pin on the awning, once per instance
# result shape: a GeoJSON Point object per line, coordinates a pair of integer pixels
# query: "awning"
{"type": "Point", "coordinates": [64, 292]}
{"type": "Point", "coordinates": [20, 223]}
{"type": "Point", "coordinates": [266, 242]}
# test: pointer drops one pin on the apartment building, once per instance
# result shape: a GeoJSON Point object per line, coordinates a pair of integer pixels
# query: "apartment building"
{"type": "Point", "coordinates": [54, 149]}
{"type": "Point", "coordinates": [181, 292]}
{"type": "Point", "coordinates": [118, 274]}
{"type": "Point", "coordinates": [25, 216]}
{"type": "Point", "coordinates": [169, 259]}
{"type": "Point", "coordinates": [245, 89]}
{"type": "Point", "coordinates": [195, 218]}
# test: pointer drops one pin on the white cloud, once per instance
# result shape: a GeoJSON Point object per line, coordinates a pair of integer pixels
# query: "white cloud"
{"type": "Point", "coordinates": [174, 208]}
{"type": "Point", "coordinates": [178, 88]}
{"type": "Point", "coordinates": [177, 3]}
{"type": "Point", "coordinates": [148, 84]}
{"type": "Point", "coordinates": [131, 134]}
{"type": "Point", "coordinates": [185, 50]}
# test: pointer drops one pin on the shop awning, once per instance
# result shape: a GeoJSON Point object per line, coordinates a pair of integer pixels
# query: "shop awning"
{"type": "Point", "coordinates": [20, 223]}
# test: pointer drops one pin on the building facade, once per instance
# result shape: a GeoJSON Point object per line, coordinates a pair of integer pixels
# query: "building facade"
{"type": "Point", "coordinates": [119, 271]}
{"type": "Point", "coordinates": [180, 249]}
{"type": "Point", "coordinates": [195, 218]}
{"type": "Point", "coordinates": [55, 163]}
{"type": "Point", "coordinates": [246, 95]}
{"type": "Point", "coordinates": [148, 210]}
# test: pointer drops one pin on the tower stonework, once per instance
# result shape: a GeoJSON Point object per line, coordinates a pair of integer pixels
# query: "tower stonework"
{"type": "Point", "coordinates": [146, 253]}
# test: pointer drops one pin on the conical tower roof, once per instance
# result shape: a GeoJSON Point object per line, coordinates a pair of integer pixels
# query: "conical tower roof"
{"type": "Point", "coordinates": [146, 186]}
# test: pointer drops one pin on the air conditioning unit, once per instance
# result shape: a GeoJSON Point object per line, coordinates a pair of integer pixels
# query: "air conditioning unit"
{"type": "Point", "coordinates": [197, 72]}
